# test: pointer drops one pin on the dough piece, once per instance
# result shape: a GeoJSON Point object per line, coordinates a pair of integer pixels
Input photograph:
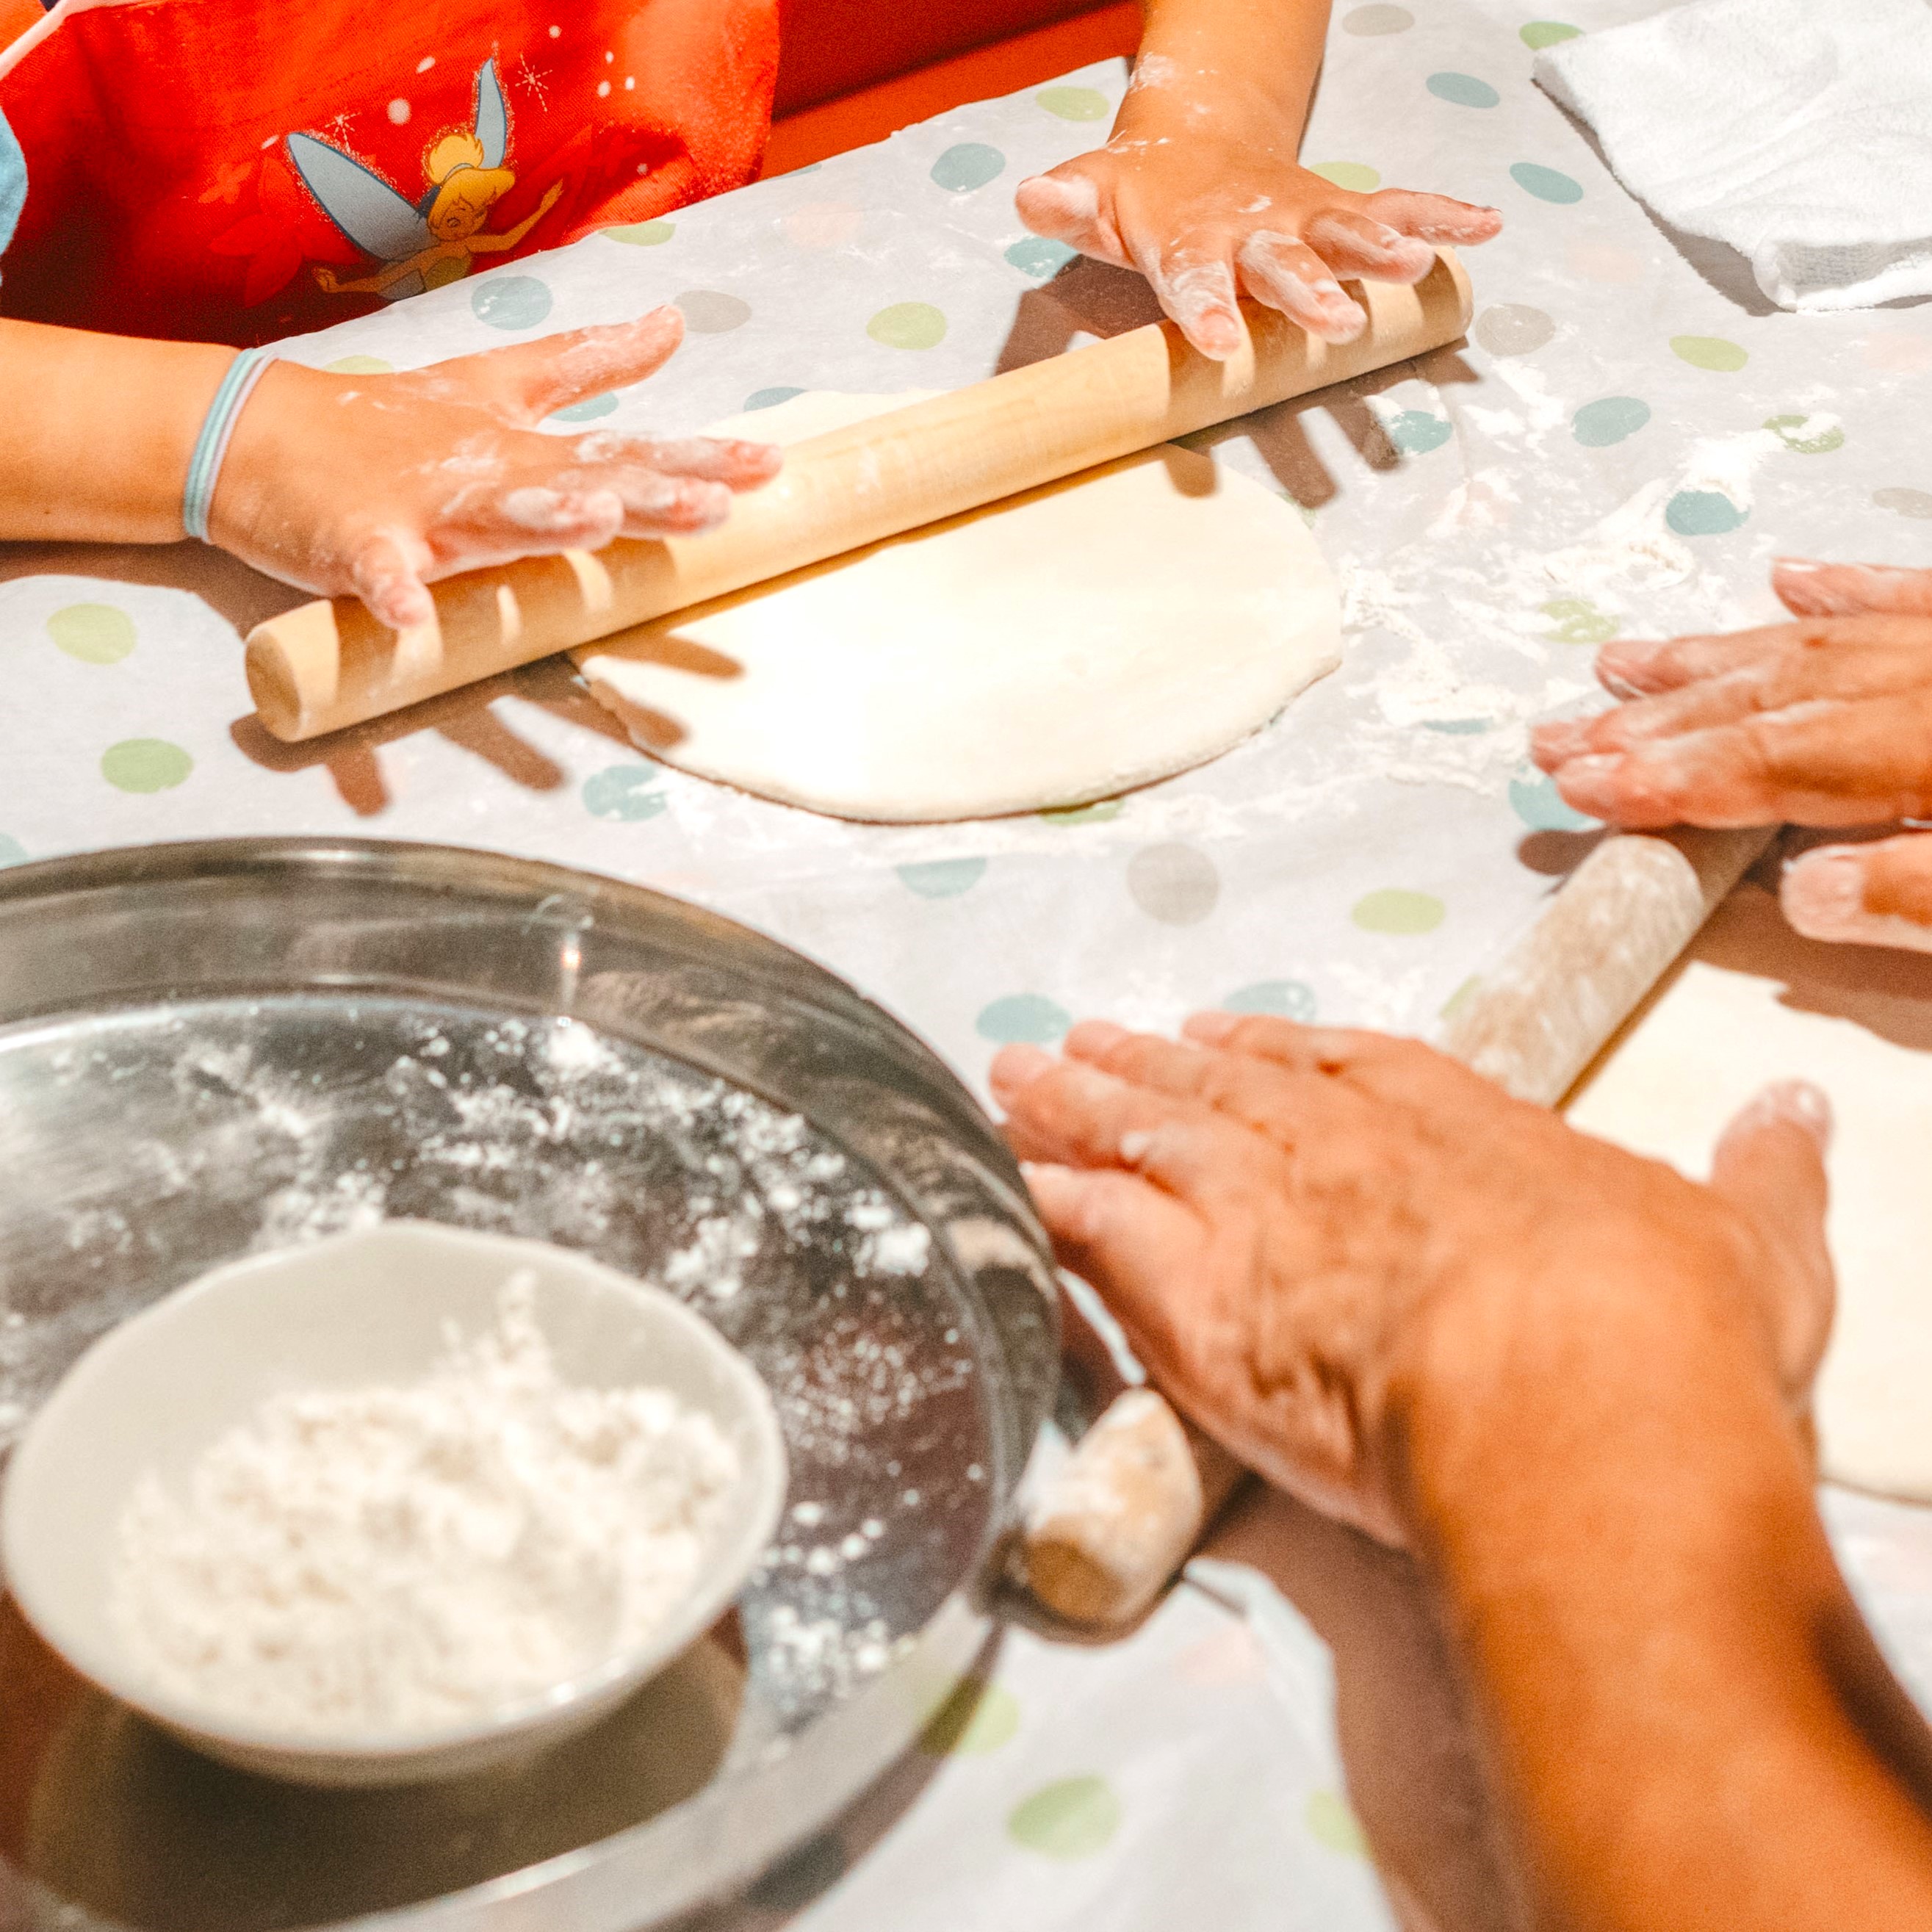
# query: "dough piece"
{"type": "Point", "coordinates": [1754, 1003]}
{"type": "Point", "coordinates": [1058, 648]}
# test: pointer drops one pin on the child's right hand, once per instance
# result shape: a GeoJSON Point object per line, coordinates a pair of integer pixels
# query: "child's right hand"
{"type": "Point", "coordinates": [379, 485]}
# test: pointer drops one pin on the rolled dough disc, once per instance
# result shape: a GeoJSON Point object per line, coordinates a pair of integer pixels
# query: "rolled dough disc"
{"type": "Point", "coordinates": [1752, 1003]}
{"type": "Point", "coordinates": [1059, 647]}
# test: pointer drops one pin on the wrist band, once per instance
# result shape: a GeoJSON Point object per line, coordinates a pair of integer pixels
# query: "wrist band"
{"type": "Point", "coordinates": [204, 466]}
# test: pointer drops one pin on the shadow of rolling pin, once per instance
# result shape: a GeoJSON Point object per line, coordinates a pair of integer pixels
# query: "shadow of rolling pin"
{"type": "Point", "coordinates": [1104, 1538]}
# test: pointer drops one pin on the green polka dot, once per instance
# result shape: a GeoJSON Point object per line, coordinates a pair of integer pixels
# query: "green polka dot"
{"type": "Point", "coordinates": [1418, 432]}
{"type": "Point", "coordinates": [1709, 352]}
{"type": "Point", "coordinates": [1378, 19]}
{"type": "Point", "coordinates": [1036, 256]}
{"type": "Point", "coordinates": [795, 1880]}
{"type": "Point", "coordinates": [1397, 911]}
{"type": "Point", "coordinates": [1702, 513]}
{"type": "Point", "coordinates": [977, 1718]}
{"type": "Point", "coordinates": [12, 852]}
{"type": "Point", "coordinates": [1098, 813]}
{"type": "Point", "coordinates": [1074, 104]}
{"type": "Point", "coordinates": [1286, 999]}
{"type": "Point", "coordinates": [646, 234]}
{"type": "Point", "coordinates": [970, 165]}
{"type": "Point", "coordinates": [1331, 1823]}
{"type": "Point", "coordinates": [96, 633]}
{"type": "Point", "coordinates": [1608, 420]}
{"type": "Point", "coordinates": [1537, 35]}
{"type": "Point", "coordinates": [1905, 502]}
{"type": "Point", "coordinates": [1020, 1019]}
{"type": "Point", "coordinates": [588, 410]}
{"type": "Point", "coordinates": [712, 312]}
{"type": "Point", "coordinates": [1794, 432]}
{"type": "Point", "coordinates": [1071, 1819]}
{"type": "Point", "coordinates": [1175, 884]}
{"type": "Point", "coordinates": [1575, 620]}
{"type": "Point", "coordinates": [769, 399]}
{"type": "Point", "coordinates": [1536, 801]}
{"type": "Point", "coordinates": [1459, 998]}
{"type": "Point", "coordinates": [911, 325]}
{"type": "Point", "coordinates": [144, 764]}
{"type": "Point", "coordinates": [360, 365]}
{"type": "Point", "coordinates": [1545, 184]}
{"type": "Point", "coordinates": [1464, 89]}
{"type": "Point", "coordinates": [510, 301]}
{"type": "Point", "coordinates": [623, 792]}
{"type": "Point", "coordinates": [943, 878]}
{"type": "Point", "coordinates": [1354, 175]}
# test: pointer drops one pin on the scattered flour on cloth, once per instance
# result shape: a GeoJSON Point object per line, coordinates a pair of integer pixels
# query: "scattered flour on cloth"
{"type": "Point", "coordinates": [401, 1559]}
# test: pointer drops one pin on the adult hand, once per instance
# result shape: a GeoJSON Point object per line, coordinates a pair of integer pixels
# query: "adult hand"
{"type": "Point", "coordinates": [1826, 721]}
{"type": "Point", "coordinates": [1199, 190]}
{"type": "Point", "coordinates": [1296, 1226]}
{"type": "Point", "coordinates": [379, 485]}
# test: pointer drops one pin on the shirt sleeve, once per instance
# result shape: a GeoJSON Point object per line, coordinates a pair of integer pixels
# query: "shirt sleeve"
{"type": "Point", "coordinates": [13, 184]}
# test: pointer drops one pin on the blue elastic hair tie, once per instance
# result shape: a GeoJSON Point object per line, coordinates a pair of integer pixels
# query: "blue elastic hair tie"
{"type": "Point", "coordinates": [217, 426]}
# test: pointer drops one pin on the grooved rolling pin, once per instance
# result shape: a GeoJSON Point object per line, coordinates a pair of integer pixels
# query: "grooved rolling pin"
{"type": "Point", "coordinates": [325, 665]}
{"type": "Point", "coordinates": [1126, 1509]}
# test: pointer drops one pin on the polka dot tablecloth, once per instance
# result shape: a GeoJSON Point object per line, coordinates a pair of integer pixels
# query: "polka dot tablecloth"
{"type": "Point", "coordinates": [1622, 445]}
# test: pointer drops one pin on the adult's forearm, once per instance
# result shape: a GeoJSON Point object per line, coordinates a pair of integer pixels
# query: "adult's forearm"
{"type": "Point", "coordinates": [1687, 1723]}
{"type": "Point", "coordinates": [96, 432]}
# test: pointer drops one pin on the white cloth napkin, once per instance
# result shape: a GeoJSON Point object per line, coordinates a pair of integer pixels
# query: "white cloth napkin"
{"type": "Point", "coordinates": [1799, 131]}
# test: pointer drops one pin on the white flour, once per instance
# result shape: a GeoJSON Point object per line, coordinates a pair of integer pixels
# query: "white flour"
{"type": "Point", "coordinates": [400, 1559]}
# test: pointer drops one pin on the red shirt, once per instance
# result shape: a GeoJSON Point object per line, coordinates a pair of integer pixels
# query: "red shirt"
{"type": "Point", "coordinates": [227, 170]}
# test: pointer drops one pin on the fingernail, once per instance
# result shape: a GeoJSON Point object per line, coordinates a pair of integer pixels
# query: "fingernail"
{"type": "Point", "coordinates": [1800, 1101]}
{"type": "Point", "coordinates": [1213, 1026]}
{"type": "Point", "coordinates": [1094, 1036]}
{"type": "Point", "coordinates": [1823, 893]}
{"type": "Point", "coordinates": [1796, 566]}
{"type": "Point", "coordinates": [1135, 1146]}
{"type": "Point", "coordinates": [1554, 743]}
{"type": "Point", "coordinates": [1590, 783]}
{"type": "Point", "coordinates": [1015, 1068]}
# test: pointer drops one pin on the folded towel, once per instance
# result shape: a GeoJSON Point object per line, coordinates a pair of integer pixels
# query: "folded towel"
{"type": "Point", "coordinates": [1799, 131]}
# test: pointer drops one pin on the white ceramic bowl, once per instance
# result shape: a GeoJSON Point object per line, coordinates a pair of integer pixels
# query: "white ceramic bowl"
{"type": "Point", "coordinates": [357, 1310]}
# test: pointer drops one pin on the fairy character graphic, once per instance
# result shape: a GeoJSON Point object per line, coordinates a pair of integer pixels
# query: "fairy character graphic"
{"type": "Point", "coordinates": [427, 244]}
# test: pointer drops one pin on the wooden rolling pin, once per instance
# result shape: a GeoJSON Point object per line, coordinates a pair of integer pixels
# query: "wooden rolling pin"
{"type": "Point", "coordinates": [326, 665]}
{"type": "Point", "coordinates": [1125, 1511]}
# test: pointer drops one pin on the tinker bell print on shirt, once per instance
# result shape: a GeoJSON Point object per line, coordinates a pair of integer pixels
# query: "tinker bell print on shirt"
{"type": "Point", "coordinates": [426, 244]}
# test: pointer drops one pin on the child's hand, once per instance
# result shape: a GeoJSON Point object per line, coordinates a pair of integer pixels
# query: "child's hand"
{"type": "Point", "coordinates": [378, 484]}
{"type": "Point", "coordinates": [1207, 218]}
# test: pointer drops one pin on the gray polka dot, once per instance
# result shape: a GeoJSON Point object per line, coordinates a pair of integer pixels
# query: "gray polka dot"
{"type": "Point", "coordinates": [1173, 883]}
{"type": "Point", "coordinates": [1378, 19]}
{"type": "Point", "coordinates": [712, 312]}
{"type": "Point", "coordinates": [1510, 329]}
{"type": "Point", "coordinates": [1907, 502]}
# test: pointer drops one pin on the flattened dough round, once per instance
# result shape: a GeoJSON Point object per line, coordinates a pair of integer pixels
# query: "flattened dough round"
{"type": "Point", "coordinates": [1081, 639]}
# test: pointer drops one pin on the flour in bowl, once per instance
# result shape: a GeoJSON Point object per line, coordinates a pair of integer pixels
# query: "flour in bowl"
{"type": "Point", "coordinates": [402, 1559]}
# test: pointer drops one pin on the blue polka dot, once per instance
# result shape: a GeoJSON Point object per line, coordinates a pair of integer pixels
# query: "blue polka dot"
{"type": "Point", "coordinates": [971, 164]}
{"type": "Point", "coordinates": [12, 852]}
{"type": "Point", "coordinates": [1540, 806]}
{"type": "Point", "coordinates": [1023, 1019]}
{"type": "Point", "coordinates": [1545, 184]}
{"type": "Point", "coordinates": [623, 792]}
{"type": "Point", "coordinates": [510, 301]}
{"type": "Point", "coordinates": [769, 399]}
{"type": "Point", "coordinates": [1036, 256]}
{"type": "Point", "coordinates": [1702, 513]}
{"type": "Point", "coordinates": [1464, 89]}
{"type": "Point", "coordinates": [942, 878]}
{"type": "Point", "coordinates": [1608, 420]}
{"type": "Point", "coordinates": [1457, 727]}
{"type": "Point", "coordinates": [588, 410]}
{"type": "Point", "coordinates": [1287, 999]}
{"type": "Point", "coordinates": [1418, 432]}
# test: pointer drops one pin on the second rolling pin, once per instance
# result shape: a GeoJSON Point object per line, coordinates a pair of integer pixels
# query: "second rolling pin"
{"type": "Point", "coordinates": [1123, 1514]}
{"type": "Point", "coordinates": [327, 664]}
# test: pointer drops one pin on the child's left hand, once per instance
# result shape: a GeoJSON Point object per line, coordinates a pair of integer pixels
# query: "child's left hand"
{"type": "Point", "coordinates": [1207, 217]}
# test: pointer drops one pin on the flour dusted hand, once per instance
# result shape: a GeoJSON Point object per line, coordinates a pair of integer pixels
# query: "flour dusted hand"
{"type": "Point", "coordinates": [377, 485]}
{"type": "Point", "coordinates": [400, 1560]}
